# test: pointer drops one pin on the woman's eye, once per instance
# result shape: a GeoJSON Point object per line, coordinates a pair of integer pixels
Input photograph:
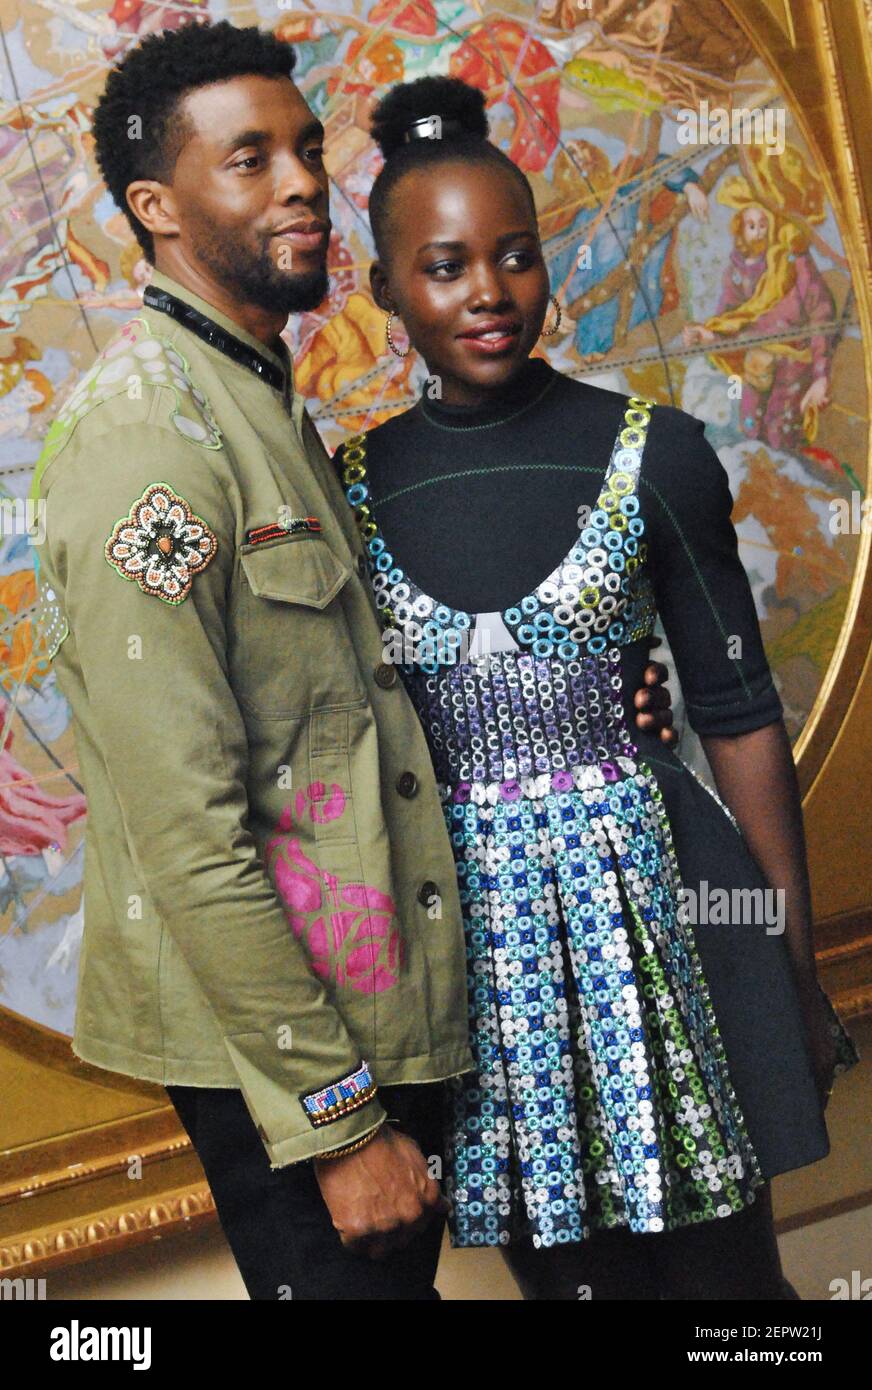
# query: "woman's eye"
{"type": "Point", "coordinates": [441, 270]}
{"type": "Point", "coordinates": [316, 154]}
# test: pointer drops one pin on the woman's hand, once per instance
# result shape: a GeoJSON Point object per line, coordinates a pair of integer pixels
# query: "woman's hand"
{"type": "Point", "coordinates": [817, 1019]}
{"type": "Point", "coordinates": [654, 701]}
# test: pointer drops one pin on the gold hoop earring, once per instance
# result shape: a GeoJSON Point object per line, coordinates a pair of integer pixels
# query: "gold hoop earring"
{"type": "Point", "coordinates": [549, 332]}
{"type": "Point", "coordinates": [389, 337]}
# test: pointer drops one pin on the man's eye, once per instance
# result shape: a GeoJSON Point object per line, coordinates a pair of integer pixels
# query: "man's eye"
{"type": "Point", "coordinates": [252, 159]}
{"type": "Point", "coordinates": [316, 154]}
{"type": "Point", "coordinates": [524, 258]}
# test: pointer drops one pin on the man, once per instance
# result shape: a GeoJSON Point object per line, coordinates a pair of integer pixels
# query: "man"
{"type": "Point", "coordinates": [250, 759]}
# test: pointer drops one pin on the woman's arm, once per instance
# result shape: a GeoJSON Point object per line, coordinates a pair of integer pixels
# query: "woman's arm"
{"type": "Point", "coordinates": [707, 606]}
{"type": "Point", "coordinates": [743, 765]}
{"type": "Point", "coordinates": [756, 778]}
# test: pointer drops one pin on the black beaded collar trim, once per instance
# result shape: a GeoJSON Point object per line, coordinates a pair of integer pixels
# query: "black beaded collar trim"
{"type": "Point", "coordinates": [215, 335]}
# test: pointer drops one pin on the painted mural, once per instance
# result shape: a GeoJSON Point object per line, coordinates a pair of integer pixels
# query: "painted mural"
{"type": "Point", "coordinates": [700, 269]}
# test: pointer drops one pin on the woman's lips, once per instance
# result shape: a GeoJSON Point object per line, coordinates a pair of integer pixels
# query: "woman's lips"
{"type": "Point", "coordinates": [493, 341]}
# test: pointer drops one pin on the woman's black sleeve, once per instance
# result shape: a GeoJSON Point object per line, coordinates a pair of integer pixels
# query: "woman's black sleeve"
{"type": "Point", "coordinates": [700, 585]}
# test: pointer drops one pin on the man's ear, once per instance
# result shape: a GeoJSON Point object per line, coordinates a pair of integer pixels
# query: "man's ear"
{"type": "Point", "coordinates": [154, 205]}
{"type": "Point", "coordinates": [378, 283]}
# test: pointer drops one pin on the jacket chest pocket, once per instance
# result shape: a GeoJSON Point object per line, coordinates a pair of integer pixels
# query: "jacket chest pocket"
{"type": "Point", "coordinates": [296, 652]}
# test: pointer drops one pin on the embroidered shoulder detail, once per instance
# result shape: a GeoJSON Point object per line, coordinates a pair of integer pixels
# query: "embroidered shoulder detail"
{"type": "Point", "coordinates": [161, 544]}
{"type": "Point", "coordinates": [340, 1097]}
{"type": "Point", "coordinates": [49, 622]}
{"type": "Point", "coordinates": [134, 359]}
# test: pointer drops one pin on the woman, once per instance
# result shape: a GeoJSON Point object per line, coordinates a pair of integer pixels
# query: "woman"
{"type": "Point", "coordinates": [643, 1067]}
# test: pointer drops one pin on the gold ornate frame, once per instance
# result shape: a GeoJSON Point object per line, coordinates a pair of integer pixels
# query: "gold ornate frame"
{"type": "Point", "coordinates": [92, 1161]}
{"type": "Point", "coordinates": [822, 56]}
{"type": "Point", "coordinates": [824, 93]}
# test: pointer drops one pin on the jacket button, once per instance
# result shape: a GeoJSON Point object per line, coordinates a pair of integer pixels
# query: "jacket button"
{"type": "Point", "coordinates": [385, 675]}
{"type": "Point", "coordinates": [361, 565]}
{"type": "Point", "coordinates": [427, 890]}
{"type": "Point", "coordinates": [407, 784]}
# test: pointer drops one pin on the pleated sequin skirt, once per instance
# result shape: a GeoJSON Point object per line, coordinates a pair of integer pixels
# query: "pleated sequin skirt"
{"type": "Point", "coordinates": [603, 1094]}
{"type": "Point", "coordinates": [635, 1065]}
{"type": "Point", "coordinates": [600, 1096]}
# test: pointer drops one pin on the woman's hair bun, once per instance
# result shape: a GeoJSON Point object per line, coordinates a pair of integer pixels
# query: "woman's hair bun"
{"type": "Point", "coordinates": [446, 97]}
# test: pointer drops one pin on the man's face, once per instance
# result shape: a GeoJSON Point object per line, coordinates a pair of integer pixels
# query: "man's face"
{"type": "Point", "coordinates": [251, 195]}
{"type": "Point", "coordinates": [755, 229]}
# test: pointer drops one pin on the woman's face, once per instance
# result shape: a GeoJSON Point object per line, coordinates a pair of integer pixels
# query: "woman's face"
{"type": "Point", "coordinates": [465, 274]}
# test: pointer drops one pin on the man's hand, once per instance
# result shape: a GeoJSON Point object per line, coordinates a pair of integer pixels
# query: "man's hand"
{"type": "Point", "coordinates": [655, 700]}
{"type": "Point", "coordinates": [697, 201]}
{"type": "Point", "coordinates": [382, 1195]}
{"type": "Point", "coordinates": [696, 334]}
{"type": "Point", "coordinates": [817, 395]}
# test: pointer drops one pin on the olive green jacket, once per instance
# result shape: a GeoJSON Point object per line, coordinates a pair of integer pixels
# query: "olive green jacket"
{"type": "Point", "coordinates": [270, 897]}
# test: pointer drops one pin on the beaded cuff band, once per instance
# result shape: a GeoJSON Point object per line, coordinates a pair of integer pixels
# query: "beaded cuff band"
{"type": "Point", "coordinates": [339, 1097]}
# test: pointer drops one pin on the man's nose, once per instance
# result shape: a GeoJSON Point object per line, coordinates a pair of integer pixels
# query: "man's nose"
{"type": "Point", "coordinates": [297, 181]}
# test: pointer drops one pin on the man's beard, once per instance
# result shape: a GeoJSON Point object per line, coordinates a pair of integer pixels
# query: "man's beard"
{"type": "Point", "coordinates": [256, 280]}
{"type": "Point", "coordinates": [753, 246]}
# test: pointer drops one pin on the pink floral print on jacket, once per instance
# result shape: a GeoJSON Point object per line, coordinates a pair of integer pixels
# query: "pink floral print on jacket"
{"type": "Point", "coordinates": [349, 930]}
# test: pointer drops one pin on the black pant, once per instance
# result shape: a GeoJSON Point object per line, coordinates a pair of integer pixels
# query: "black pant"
{"type": "Point", "coordinates": [275, 1219]}
{"type": "Point", "coordinates": [284, 1243]}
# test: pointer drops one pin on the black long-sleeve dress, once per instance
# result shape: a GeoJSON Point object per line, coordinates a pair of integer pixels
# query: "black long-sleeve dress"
{"type": "Point", "coordinates": [640, 1054]}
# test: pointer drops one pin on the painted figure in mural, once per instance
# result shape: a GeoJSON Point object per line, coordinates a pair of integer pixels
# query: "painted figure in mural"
{"type": "Point", "coordinates": [613, 268]}
{"type": "Point", "coordinates": [273, 926]}
{"type": "Point", "coordinates": [698, 48]}
{"type": "Point", "coordinates": [772, 286]}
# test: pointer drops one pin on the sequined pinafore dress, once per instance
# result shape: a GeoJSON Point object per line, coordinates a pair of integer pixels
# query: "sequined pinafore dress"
{"type": "Point", "coordinates": [602, 1094]}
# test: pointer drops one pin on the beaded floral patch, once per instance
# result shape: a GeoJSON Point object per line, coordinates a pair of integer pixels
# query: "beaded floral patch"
{"type": "Point", "coordinates": [134, 358]}
{"type": "Point", "coordinates": [161, 544]}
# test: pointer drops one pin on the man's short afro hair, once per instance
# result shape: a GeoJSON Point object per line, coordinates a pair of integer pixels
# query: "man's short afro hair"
{"type": "Point", "coordinates": [150, 82]}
